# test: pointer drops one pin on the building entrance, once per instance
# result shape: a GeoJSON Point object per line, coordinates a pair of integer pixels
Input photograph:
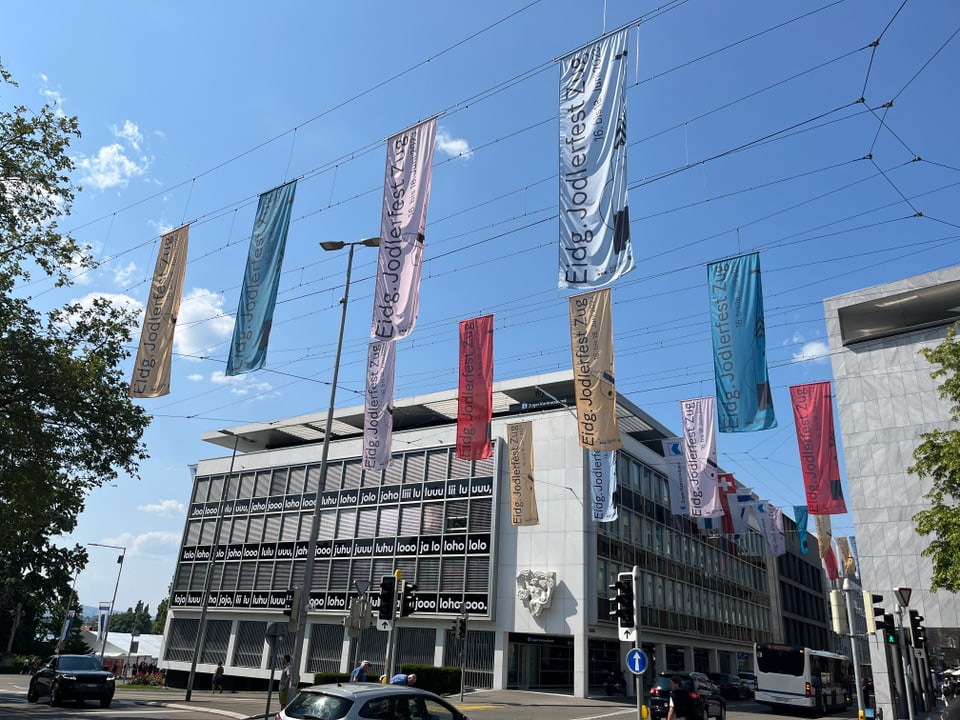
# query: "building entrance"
{"type": "Point", "coordinates": [539, 661]}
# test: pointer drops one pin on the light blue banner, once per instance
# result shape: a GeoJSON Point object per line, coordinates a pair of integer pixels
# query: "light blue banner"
{"type": "Point", "coordinates": [254, 320]}
{"type": "Point", "coordinates": [744, 402]}
{"type": "Point", "coordinates": [800, 513]}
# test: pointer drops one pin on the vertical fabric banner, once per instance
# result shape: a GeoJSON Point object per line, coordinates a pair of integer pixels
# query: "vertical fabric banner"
{"type": "Point", "coordinates": [523, 499]}
{"type": "Point", "coordinates": [151, 371]}
{"type": "Point", "coordinates": [846, 557]}
{"type": "Point", "coordinates": [475, 395]}
{"type": "Point", "coordinates": [676, 481]}
{"type": "Point", "coordinates": [744, 402]}
{"type": "Point", "coordinates": [103, 619]}
{"type": "Point", "coordinates": [603, 484]}
{"type": "Point", "coordinates": [65, 630]}
{"type": "Point", "coordinates": [403, 220]}
{"type": "Point", "coordinates": [800, 513]}
{"type": "Point", "coordinates": [776, 529]}
{"type": "Point", "coordinates": [825, 543]}
{"type": "Point", "coordinates": [378, 405]}
{"type": "Point", "coordinates": [591, 344]}
{"type": "Point", "coordinates": [700, 457]}
{"type": "Point", "coordinates": [595, 244]}
{"type": "Point", "coordinates": [813, 417]}
{"type": "Point", "coordinates": [744, 504]}
{"type": "Point", "coordinates": [258, 296]}
{"type": "Point", "coordinates": [728, 501]}
{"type": "Point", "coordinates": [853, 553]}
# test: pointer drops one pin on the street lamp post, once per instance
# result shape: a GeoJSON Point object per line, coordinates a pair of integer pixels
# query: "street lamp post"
{"type": "Point", "coordinates": [106, 629]}
{"type": "Point", "coordinates": [298, 640]}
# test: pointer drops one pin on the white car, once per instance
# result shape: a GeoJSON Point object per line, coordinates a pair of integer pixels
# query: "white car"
{"type": "Point", "coordinates": [366, 701]}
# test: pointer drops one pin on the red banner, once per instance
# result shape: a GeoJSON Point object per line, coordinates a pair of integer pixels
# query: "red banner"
{"type": "Point", "coordinates": [728, 489]}
{"type": "Point", "coordinates": [475, 399]}
{"type": "Point", "coordinates": [813, 417]}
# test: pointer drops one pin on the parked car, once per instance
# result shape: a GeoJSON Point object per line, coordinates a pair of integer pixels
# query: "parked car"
{"type": "Point", "coordinates": [72, 677]}
{"type": "Point", "coordinates": [355, 701]}
{"type": "Point", "coordinates": [704, 696]}
{"type": "Point", "coordinates": [750, 679]}
{"type": "Point", "coordinates": [732, 687]}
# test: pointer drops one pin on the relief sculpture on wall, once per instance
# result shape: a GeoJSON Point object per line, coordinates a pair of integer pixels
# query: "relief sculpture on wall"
{"type": "Point", "coordinates": [535, 589]}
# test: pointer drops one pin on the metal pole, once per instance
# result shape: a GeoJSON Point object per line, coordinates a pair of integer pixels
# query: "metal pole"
{"type": "Point", "coordinates": [392, 634]}
{"type": "Point", "coordinates": [315, 524]}
{"type": "Point", "coordinates": [106, 630]}
{"type": "Point", "coordinates": [205, 599]}
{"type": "Point", "coordinates": [273, 667]}
{"type": "Point", "coordinates": [853, 647]}
{"type": "Point", "coordinates": [463, 656]}
{"type": "Point", "coordinates": [908, 684]}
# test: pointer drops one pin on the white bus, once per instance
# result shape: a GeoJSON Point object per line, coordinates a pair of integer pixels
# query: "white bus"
{"type": "Point", "coordinates": [811, 681]}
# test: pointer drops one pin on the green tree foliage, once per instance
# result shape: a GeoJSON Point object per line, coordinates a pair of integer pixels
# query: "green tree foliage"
{"type": "Point", "coordinates": [161, 620]}
{"type": "Point", "coordinates": [135, 620]}
{"type": "Point", "coordinates": [67, 425]}
{"type": "Point", "coordinates": [937, 458]}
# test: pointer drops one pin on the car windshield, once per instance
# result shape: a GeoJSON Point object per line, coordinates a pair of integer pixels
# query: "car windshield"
{"type": "Point", "coordinates": [79, 663]}
{"type": "Point", "coordinates": [318, 706]}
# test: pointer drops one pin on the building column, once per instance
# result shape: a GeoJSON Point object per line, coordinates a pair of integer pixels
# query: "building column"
{"type": "Point", "coordinates": [688, 658]}
{"type": "Point", "coordinates": [713, 660]}
{"type": "Point", "coordinates": [660, 664]}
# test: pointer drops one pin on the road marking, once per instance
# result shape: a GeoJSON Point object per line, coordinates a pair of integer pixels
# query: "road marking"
{"type": "Point", "coordinates": [610, 714]}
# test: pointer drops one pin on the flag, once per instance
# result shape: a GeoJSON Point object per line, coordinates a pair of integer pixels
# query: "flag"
{"type": "Point", "coordinates": [595, 244]}
{"type": "Point", "coordinates": [104, 619]}
{"type": "Point", "coordinates": [475, 396]}
{"type": "Point", "coordinates": [825, 543]}
{"type": "Point", "coordinates": [258, 296]}
{"type": "Point", "coordinates": [603, 484]}
{"type": "Point", "coordinates": [591, 343]}
{"type": "Point", "coordinates": [676, 482]}
{"type": "Point", "coordinates": [151, 371]}
{"type": "Point", "coordinates": [846, 557]}
{"type": "Point", "coordinates": [523, 499]}
{"type": "Point", "coordinates": [403, 219]}
{"type": "Point", "coordinates": [741, 521]}
{"type": "Point", "coordinates": [378, 405]}
{"type": "Point", "coordinates": [800, 513]}
{"type": "Point", "coordinates": [778, 541]}
{"type": "Point", "coordinates": [700, 457]}
{"type": "Point", "coordinates": [728, 498]}
{"type": "Point", "coordinates": [813, 417]}
{"type": "Point", "coordinates": [744, 402]}
{"type": "Point", "coordinates": [65, 630]}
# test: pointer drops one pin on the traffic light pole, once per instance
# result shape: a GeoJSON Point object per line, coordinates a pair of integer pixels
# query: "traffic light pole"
{"type": "Point", "coordinates": [905, 655]}
{"type": "Point", "coordinates": [847, 589]}
{"type": "Point", "coordinates": [392, 634]}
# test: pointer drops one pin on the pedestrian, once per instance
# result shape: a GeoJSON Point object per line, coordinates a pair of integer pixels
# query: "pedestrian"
{"type": "Point", "coordinates": [679, 700]}
{"type": "Point", "coordinates": [403, 679]}
{"type": "Point", "coordinates": [359, 673]}
{"type": "Point", "coordinates": [284, 692]}
{"type": "Point", "coordinates": [218, 679]}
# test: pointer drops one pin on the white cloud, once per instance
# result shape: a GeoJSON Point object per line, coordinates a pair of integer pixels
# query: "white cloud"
{"type": "Point", "coordinates": [201, 324]}
{"type": "Point", "coordinates": [195, 377]}
{"type": "Point", "coordinates": [120, 300]}
{"type": "Point", "coordinates": [242, 385]}
{"type": "Point", "coordinates": [816, 351]}
{"type": "Point", "coordinates": [148, 543]}
{"type": "Point", "coordinates": [451, 146]}
{"type": "Point", "coordinates": [112, 166]}
{"type": "Point", "coordinates": [123, 275]}
{"type": "Point", "coordinates": [164, 507]}
{"type": "Point", "coordinates": [129, 132]}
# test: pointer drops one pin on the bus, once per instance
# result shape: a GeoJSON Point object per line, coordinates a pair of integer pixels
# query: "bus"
{"type": "Point", "coordinates": [790, 677]}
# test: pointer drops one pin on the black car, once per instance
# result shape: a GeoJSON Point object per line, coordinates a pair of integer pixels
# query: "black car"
{"type": "Point", "coordinates": [704, 696]}
{"type": "Point", "coordinates": [731, 687]}
{"type": "Point", "coordinates": [750, 679]}
{"type": "Point", "coordinates": [72, 677]}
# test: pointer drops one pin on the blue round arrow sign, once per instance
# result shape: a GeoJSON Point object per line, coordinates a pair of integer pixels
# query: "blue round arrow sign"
{"type": "Point", "coordinates": [637, 661]}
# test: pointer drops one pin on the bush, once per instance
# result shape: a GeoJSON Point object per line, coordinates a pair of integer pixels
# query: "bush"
{"type": "Point", "coordinates": [322, 678]}
{"type": "Point", "coordinates": [438, 680]}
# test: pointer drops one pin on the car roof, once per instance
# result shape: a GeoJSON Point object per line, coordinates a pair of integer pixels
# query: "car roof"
{"type": "Point", "coordinates": [358, 691]}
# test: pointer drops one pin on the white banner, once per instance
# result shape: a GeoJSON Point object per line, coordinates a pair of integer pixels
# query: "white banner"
{"type": "Point", "coordinates": [778, 542]}
{"type": "Point", "coordinates": [700, 457]}
{"type": "Point", "coordinates": [603, 484]}
{"type": "Point", "coordinates": [378, 405]}
{"type": "Point", "coordinates": [595, 244]}
{"type": "Point", "coordinates": [406, 193]}
{"type": "Point", "coordinates": [103, 620]}
{"type": "Point", "coordinates": [676, 480]}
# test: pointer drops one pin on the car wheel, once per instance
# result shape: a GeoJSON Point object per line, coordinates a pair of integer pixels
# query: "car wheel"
{"type": "Point", "coordinates": [105, 702]}
{"type": "Point", "coordinates": [722, 715]}
{"type": "Point", "coordinates": [56, 697]}
{"type": "Point", "coordinates": [706, 712]}
{"type": "Point", "coordinates": [32, 695]}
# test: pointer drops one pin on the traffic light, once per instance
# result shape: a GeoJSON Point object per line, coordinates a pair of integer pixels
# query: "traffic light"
{"type": "Point", "coordinates": [459, 628]}
{"type": "Point", "coordinates": [624, 605]}
{"type": "Point", "coordinates": [872, 611]}
{"type": "Point", "coordinates": [838, 612]}
{"type": "Point", "coordinates": [889, 631]}
{"type": "Point", "coordinates": [917, 631]}
{"type": "Point", "coordinates": [408, 598]}
{"type": "Point", "coordinates": [291, 608]}
{"type": "Point", "coordinates": [388, 595]}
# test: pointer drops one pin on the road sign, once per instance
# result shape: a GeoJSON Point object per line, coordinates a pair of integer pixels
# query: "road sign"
{"type": "Point", "coordinates": [384, 625]}
{"type": "Point", "coordinates": [276, 630]}
{"type": "Point", "coordinates": [636, 661]}
{"type": "Point", "coordinates": [903, 596]}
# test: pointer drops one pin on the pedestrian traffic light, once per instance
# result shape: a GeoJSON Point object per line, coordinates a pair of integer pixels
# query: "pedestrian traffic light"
{"type": "Point", "coordinates": [291, 608]}
{"type": "Point", "coordinates": [889, 631]}
{"type": "Point", "coordinates": [917, 631]}
{"type": "Point", "coordinates": [872, 611]}
{"type": "Point", "coordinates": [408, 598]}
{"type": "Point", "coordinates": [388, 597]}
{"type": "Point", "coordinates": [623, 608]}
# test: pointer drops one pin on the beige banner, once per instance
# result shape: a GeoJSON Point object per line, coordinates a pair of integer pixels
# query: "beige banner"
{"type": "Point", "coordinates": [824, 534]}
{"type": "Point", "coordinates": [591, 344]}
{"type": "Point", "coordinates": [846, 557]}
{"type": "Point", "coordinates": [151, 372]}
{"type": "Point", "coordinates": [523, 498]}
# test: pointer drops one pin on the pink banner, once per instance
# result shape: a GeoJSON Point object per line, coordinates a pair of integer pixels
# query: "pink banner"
{"type": "Point", "coordinates": [813, 417]}
{"type": "Point", "coordinates": [475, 396]}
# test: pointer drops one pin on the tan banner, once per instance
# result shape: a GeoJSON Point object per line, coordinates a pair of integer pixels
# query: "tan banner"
{"type": "Point", "coordinates": [846, 557]}
{"type": "Point", "coordinates": [591, 344]}
{"type": "Point", "coordinates": [825, 541]}
{"type": "Point", "coordinates": [151, 372]}
{"type": "Point", "coordinates": [523, 498]}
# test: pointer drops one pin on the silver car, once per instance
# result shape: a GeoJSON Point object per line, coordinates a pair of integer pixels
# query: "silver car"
{"type": "Point", "coordinates": [368, 701]}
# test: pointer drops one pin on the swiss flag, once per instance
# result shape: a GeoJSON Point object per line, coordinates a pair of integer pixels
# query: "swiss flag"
{"type": "Point", "coordinates": [727, 487]}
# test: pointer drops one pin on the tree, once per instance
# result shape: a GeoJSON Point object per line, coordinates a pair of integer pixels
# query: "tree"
{"type": "Point", "coordinates": [161, 621]}
{"type": "Point", "coordinates": [938, 458]}
{"type": "Point", "coordinates": [134, 620]}
{"type": "Point", "coordinates": [67, 425]}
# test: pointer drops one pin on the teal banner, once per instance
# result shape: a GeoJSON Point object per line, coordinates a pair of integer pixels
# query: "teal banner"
{"type": "Point", "coordinates": [800, 513]}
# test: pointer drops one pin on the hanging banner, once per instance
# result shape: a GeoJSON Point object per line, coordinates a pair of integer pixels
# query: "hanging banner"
{"type": "Point", "coordinates": [728, 501]}
{"type": "Point", "coordinates": [825, 544]}
{"type": "Point", "coordinates": [65, 630]}
{"type": "Point", "coordinates": [676, 481]}
{"type": "Point", "coordinates": [853, 552]}
{"type": "Point", "coordinates": [475, 395]}
{"type": "Point", "coordinates": [800, 513]}
{"type": "Point", "coordinates": [151, 371]}
{"type": "Point", "coordinates": [403, 220]}
{"type": "Point", "coordinates": [778, 540]}
{"type": "Point", "coordinates": [846, 557]}
{"type": "Point", "coordinates": [603, 484]}
{"type": "Point", "coordinates": [744, 402]}
{"type": "Point", "coordinates": [523, 499]}
{"type": "Point", "coordinates": [378, 405]}
{"type": "Point", "coordinates": [591, 343]}
{"type": "Point", "coordinates": [700, 457]}
{"type": "Point", "coordinates": [258, 296]}
{"type": "Point", "coordinates": [103, 620]}
{"type": "Point", "coordinates": [813, 417]}
{"type": "Point", "coordinates": [595, 246]}
{"type": "Point", "coordinates": [744, 505]}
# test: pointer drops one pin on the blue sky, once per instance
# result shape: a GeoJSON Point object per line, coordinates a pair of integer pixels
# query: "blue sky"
{"type": "Point", "coordinates": [745, 132]}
